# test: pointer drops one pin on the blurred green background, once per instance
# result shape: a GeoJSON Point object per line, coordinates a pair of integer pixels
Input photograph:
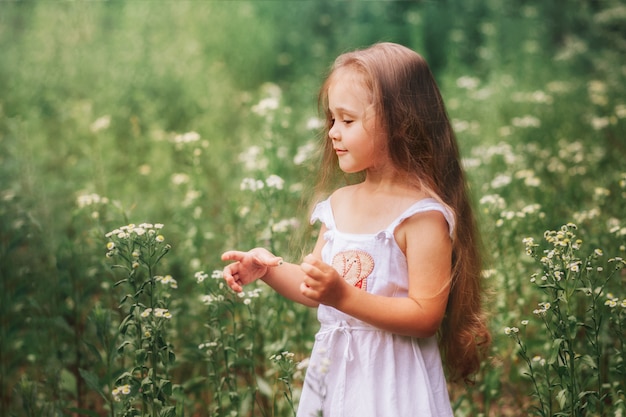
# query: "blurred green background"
{"type": "Point", "coordinates": [129, 111]}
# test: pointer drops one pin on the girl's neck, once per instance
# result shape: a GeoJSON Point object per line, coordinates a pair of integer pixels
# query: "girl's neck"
{"type": "Point", "coordinates": [370, 206]}
{"type": "Point", "coordinates": [387, 181]}
{"type": "Point", "coordinates": [388, 191]}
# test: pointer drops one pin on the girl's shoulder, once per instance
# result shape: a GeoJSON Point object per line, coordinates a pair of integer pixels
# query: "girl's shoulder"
{"type": "Point", "coordinates": [343, 194]}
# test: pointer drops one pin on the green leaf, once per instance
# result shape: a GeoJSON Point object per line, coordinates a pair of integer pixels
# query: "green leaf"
{"type": "Point", "coordinates": [562, 371]}
{"type": "Point", "coordinates": [128, 320]}
{"type": "Point", "coordinates": [120, 282]}
{"type": "Point", "coordinates": [194, 383]}
{"type": "Point", "coordinates": [165, 385]}
{"type": "Point", "coordinates": [554, 351]}
{"type": "Point", "coordinates": [586, 393]}
{"type": "Point", "coordinates": [589, 361]}
{"type": "Point", "coordinates": [124, 298]}
{"type": "Point", "coordinates": [121, 347]}
{"type": "Point", "coordinates": [141, 355]}
{"type": "Point", "coordinates": [92, 381]}
{"type": "Point", "coordinates": [160, 342]}
{"type": "Point", "coordinates": [561, 397]}
{"type": "Point", "coordinates": [169, 411]}
{"type": "Point", "coordinates": [264, 387]}
{"type": "Point", "coordinates": [123, 376]}
{"type": "Point", "coordinates": [93, 349]}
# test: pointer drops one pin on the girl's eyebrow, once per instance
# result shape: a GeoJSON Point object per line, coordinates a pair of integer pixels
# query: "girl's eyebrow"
{"type": "Point", "coordinates": [341, 110]}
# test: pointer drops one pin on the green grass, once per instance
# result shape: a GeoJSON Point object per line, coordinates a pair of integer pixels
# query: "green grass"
{"type": "Point", "coordinates": [154, 109]}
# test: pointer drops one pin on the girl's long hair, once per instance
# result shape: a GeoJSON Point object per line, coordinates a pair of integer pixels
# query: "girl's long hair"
{"type": "Point", "coordinates": [423, 147]}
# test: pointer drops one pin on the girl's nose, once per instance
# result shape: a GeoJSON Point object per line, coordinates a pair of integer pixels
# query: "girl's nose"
{"type": "Point", "coordinates": [333, 133]}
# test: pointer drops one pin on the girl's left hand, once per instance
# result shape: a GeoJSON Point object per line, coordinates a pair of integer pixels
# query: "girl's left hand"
{"type": "Point", "coordinates": [322, 283]}
{"type": "Point", "coordinates": [248, 266]}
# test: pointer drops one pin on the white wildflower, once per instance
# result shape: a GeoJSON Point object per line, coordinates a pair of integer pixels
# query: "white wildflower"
{"type": "Point", "coordinates": [314, 123]}
{"type": "Point", "coordinates": [121, 390]}
{"type": "Point", "coordinates": [274, 181]}
{"type": "Point", "coordinates": [467, 82]}
{"type": "Point", "coordinates": [304, 153]}
{"type": "Point", "coordinates": [179, 178]}
{"type": "Point", "coordinates": [100, 123]}
{"type": "Point", "coordinates": [85, 200]}
{"type": "Point", "coordinates": [266, 106]}
{"type": "Point", "coordinates": [187, 138]}
{"type": "Point", "coordinates": [251, 184]}
{"type": "Point", "coordinates": [526, 121]}
{"type": "Point", "coordinates": [285, 225]}
{"type": "Point", "coordinates": [599, 123]}
{"type": "Point", "coordinates": [511, 330]}
{"type": "Point", "coordinates": [200, 276]}
{"type": "Point", "coordinates": [500, 181]}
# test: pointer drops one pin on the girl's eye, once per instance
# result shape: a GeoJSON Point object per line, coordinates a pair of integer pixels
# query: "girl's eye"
{"type": "Point", "coordinates": [344, 121]}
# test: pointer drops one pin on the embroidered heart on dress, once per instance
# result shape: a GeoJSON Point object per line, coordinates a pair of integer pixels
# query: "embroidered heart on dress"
{"type": "Point", "coordinates": [354, 266]}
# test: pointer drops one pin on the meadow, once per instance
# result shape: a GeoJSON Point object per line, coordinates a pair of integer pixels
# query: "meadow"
{"type": "Point", "coordinates": [139, 140]}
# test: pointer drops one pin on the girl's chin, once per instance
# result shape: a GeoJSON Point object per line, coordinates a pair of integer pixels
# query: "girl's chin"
{"type": "Point", "coordinates": [351, 171]}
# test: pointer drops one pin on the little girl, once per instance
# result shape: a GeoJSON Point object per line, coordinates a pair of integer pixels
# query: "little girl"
{"type": "Point", "coordinates": [395, 273]}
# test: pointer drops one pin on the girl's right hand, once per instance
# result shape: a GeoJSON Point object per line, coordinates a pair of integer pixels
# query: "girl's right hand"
{"type": "Point", "coordinates": [248, 266]}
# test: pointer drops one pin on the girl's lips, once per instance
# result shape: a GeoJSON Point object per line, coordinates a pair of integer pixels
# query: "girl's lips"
{"type": "Point", "coordinates": [340, 151]}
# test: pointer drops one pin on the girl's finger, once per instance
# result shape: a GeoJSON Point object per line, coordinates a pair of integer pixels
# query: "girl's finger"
{"type": "Point", "coordinates": [228, 274]}
{"type": "Point", "coordinates": [232, 280]}
{"type": "Point", "coordinates": [312, 271]}
{"type": "Point", "coordinates": [233, 255]}
{"type": "Point", "coordinates": [310, 259]}
{"type": "Point", "coordinates": [306, 267]}
{"type": "Point", "coordinates": [306, 290]}
{"type": "Point", "coordinates": [315, 266]}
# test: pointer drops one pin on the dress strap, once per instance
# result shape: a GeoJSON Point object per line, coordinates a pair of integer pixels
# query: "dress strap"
{"type": "Point", "coordinates": [427, 204]}
{"type": "Point", "coordinates": [324, 213]}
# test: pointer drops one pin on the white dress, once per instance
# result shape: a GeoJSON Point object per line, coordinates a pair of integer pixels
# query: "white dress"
{"type": "Point", "coordinates": [357, 370]}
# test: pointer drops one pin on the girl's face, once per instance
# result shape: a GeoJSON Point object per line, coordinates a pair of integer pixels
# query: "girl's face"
{"type": "Point", "coordinates": [355, 132]}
